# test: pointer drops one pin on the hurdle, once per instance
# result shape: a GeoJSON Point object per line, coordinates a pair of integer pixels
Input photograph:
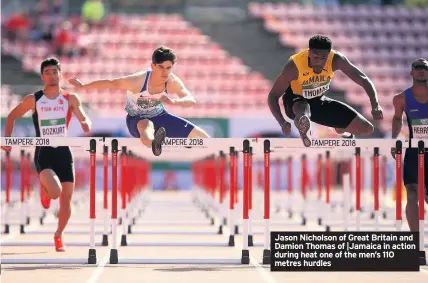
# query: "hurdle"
{"type": "Point", "coordinates": [213, 145]}
{"type": "Point", "coordinates": [285, 146]}
{"type": "Point", "coordinates": [72, 142]}
{"type": "Point", "coordinates": [25, 194]}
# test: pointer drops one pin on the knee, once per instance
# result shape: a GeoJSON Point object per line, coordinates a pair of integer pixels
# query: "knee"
{"type": "Point", "coordinates": [300, 107]}
{"type": "Point", "coordinates": [55, 193]}
{"type": "Point", "coordinates": [144, 124]}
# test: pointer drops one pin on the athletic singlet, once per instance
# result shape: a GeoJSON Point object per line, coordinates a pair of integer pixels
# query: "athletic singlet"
{"type": "Point", "coordinates": [309, 84]}
{"type": "Point", "coordinates": [417, 116]}
{"type": "Point", "coordinates": [52, 116]}
{"type": "Point", "coordinates": [144, 104]}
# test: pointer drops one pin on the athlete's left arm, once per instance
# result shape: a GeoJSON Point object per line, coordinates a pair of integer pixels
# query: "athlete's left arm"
{"type": "Point", "coordinates": [340, 62]}
{"type": "Point", "coordinates": [177, 86]}
{"type": "Point", "coordinates": [76, 107]}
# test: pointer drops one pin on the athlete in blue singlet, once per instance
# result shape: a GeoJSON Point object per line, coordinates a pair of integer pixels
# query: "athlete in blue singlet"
{"type": "Point", "coordinates": [414, 103]}
{"type": "Point", "coordinates": [147, 92]}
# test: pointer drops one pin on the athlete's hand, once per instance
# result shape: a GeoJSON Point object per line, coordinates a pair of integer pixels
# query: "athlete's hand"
{"type": "Point", "coordinates": [167, 100]}
{"type": "Point", "coordinates": [286, 128]}
{"type": "Point", "coordinates": [86, 125]}
{"type": "Point", "coordinates": [6, 148]}
{"type": "Point", "coordinates": [75, 82]}
{"type": "Point", "coordinates": [377, 112]}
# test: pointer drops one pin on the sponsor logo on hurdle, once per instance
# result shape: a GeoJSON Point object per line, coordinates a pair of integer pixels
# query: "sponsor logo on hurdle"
{"type": "Point", "coordinates": [333, 142]}
{"type": "Point", "coordinates": [26, 141]}
{"type": "Point", "coordinates": [183, 142]}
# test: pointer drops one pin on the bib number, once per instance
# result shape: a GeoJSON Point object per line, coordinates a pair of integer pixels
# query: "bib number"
{"type": "Point", "coordinates": [314, 92]}
{"type": "Point", "coordinates": [58, 131]}
{"type": "Point", "coordinates": [420, 132]}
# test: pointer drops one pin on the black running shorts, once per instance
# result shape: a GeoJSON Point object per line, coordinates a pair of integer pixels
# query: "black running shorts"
{"type": "Point", "coordinates": [59, 159]}
{"type": "Point", "coordinates": [410, 167]}
{"type": "Point", "coordinates": [324, 111]}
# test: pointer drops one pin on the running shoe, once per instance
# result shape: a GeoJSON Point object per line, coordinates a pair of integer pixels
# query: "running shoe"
{"type": "Point", "coordinates": [44, 198]}
{"type": "Point", "coordinates": [303, 124]}
{"type": "Point", "coordinates": [347, 135]}
{"type": "Point", "coordinates": [157, 142]}
{"type": "Point", "coordinates": [59, 245]}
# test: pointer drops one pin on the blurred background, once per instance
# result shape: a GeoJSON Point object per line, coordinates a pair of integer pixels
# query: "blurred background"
{"type": "Point", "coordinates": [229, 54]}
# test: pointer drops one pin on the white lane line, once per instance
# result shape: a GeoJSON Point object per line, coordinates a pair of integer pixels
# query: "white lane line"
{"type": "Point", "coordinates": [100, 268]}
{"type": "Point", "coordinates": [238, 245]}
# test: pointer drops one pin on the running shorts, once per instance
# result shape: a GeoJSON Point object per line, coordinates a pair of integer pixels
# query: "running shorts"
{"type": "Point", "coordinates": [175, 126]}
{"type": "Point", "coordinates": [410, 167]}
{"type": "Point", "coordinates": [58, 159]}
{"type": "Point", "coordinates": [324, 111]}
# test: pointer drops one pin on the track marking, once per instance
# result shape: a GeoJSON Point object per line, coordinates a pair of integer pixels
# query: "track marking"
{"type": "Point", "coordinates": [263, 273]}
{"type": "Point", "coordinates": [100, 268]}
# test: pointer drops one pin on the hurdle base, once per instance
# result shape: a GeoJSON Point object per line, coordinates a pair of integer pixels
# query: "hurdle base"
{"type": "Point", "coordinates": [21, 229]}
{"type": "Point", "coordinates": [327, 228]}
{"type": "Point", "coordinates": [114, 257]}
{"type": "Point", "coordinates": [245, 257]}
{"type": "Point", "coordinates": [92, 258]}
{"type": "Point", "coordinates": [41, 220]}
{"type": "Point", "coordinates": [220, 230]}
{"type": "Point", "coordinates": [266, 257]}
{"type": "Point", "coordinates": [236, 230]}
{"type": "Point", "coordinates": [212, 221]}
{"type": "Point", "coordinates": [6, 229]}
{"type": "Point", "coordinates": [290, 214]}
{"type": "Point", "coordinates": [225, 221]}
{"type": "Point", "coordinates": [319, 221]}
{"type": "Point", "coordinates": [123, 241]}
{"type": "Point", "coordinates": [105, 241]}
{"type": "Point", "coordinates": [231, 241]}
{"type": "Point", "coordinates": [27, 220]}
{"type": "Point", "coordinates": [422, 258]}
{"type": "Point", "coordinates": [250, 241]}
{"type": "Point", "coordinates": [303, 221]}
{"type": "Point", "coordinates": [129, 229]}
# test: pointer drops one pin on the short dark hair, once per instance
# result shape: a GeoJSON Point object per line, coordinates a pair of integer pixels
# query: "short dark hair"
{"type": "Point", "coordinates": [320, 42]}
{"type": "Point", "coordinates": [420, 60]}
{"type": "Point", "coordinates": [50, 62]}
{"type": "Point", "coordinates": [162, 54]}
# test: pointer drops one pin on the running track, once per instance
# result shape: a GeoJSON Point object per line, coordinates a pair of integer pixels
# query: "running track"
{"type": "Point", "coordinates": [160, 208]}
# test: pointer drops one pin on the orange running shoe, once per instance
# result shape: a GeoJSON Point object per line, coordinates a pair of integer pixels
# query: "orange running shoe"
{"type": "Point", "coordinates": [44, 198]}
{"type": "Point", "coordinates": [59, 245]}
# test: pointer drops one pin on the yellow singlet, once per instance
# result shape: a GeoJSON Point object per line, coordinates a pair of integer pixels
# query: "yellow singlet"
{"type": "Point", "coordinates": [309, 84]}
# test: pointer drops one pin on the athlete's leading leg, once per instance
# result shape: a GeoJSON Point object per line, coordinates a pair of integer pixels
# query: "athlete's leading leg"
{"type": "Point", "coordinates": [149, 137]}
{"type": "Point", "coordinates": [302, 112]}
{"type": "Point", "coordinates": [51, 186]}
{"type": "Point", "coordinates": [146, 129]}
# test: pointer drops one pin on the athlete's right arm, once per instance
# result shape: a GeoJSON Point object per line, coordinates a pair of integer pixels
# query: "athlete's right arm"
{"type": "Point", "coordinates": [121, 83]}
{"type": "Point", "coordinates": [281, 84]}
{"type": "Point", "coordinates": [27, 104]}
{"type": "Point", "coordinates": [397, 121]}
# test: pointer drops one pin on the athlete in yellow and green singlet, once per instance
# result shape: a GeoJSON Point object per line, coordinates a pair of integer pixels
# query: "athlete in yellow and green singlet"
{"type": "Point", "coordinates": [305, 79]}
